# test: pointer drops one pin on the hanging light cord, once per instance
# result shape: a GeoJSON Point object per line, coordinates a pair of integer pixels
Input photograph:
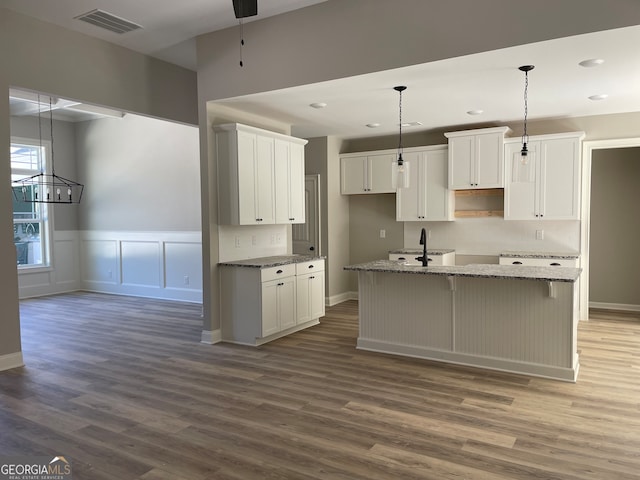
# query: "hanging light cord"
{"type": "Point", "coordinates": [40, 133]}
{"type": "Point", "coordinates": [525, 137]}
{"type": "Point", "coordinates": [400, 161]}
{"type": "Point", "coordinates": [53, 168]}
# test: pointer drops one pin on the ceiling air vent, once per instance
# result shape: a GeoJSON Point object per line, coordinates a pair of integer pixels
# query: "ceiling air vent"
{"type": "Point", "coordinates": [106, 20]}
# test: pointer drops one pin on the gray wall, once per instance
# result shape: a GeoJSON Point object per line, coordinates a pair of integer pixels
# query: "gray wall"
{"type": "Point", "coordinates": [140, 174]}
{"type": "Point", "coordinates": [615, 227]}
{"type": "Point", "coordinates": [65, 217]}
{"type": "Point", "coordinates": [42, 57]}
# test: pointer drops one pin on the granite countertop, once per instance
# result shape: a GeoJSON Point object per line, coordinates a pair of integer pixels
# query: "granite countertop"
{"type": "Point", "coordinates": [519, 272]}
{"type": "Point", "coordinates": [417, 251]}
{"type": "Point", "coordinates": [275, 261]}
{"type": "Point", "coordinates": [561, 255]}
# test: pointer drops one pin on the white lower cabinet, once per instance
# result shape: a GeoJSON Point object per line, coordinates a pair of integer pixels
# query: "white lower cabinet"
{"type": "Point", "coordinates": [261, 304]}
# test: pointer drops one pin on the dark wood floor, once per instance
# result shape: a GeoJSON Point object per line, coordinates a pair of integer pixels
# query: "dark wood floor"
{"type": "Point", "coordinates": [122, 387]}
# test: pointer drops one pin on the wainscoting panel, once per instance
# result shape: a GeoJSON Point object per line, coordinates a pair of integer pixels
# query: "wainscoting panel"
{"type": "Point", "coordinates": [164, 265]}
{"type": "Point", "coordinates": [140, 263]}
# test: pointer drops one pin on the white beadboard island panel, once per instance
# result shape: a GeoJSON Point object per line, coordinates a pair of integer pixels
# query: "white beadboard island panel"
{"type": "Point", "coordinates": [522, 320]}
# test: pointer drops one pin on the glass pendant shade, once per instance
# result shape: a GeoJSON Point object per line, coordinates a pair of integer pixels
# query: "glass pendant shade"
{"type": "Point", "coordinates": [400, 174]}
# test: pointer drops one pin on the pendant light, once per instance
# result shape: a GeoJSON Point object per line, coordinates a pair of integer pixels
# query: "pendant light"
{"type": "Point", "coordinates": [44, 187]}
{"type": "Point", "coordinates": [400, 168]}
{"type": "Point", "coordinates": [524, 153]}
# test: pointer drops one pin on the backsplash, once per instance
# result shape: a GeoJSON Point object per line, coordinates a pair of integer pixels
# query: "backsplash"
{"type": "Point", "coordinates": [490, 236]}
{"type": "Point", "coordinates": [239, 242]}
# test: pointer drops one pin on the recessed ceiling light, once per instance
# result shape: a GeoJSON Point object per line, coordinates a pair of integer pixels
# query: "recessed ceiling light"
{"type": "Point", "coordinates": [592, 62]}
{"type": "Point", "coordinates": [601, 96]}
{"type": "Point", "coordinates": [412, 124]}
{"type": "Point", "coordinates": [475, 112]}
{"type": "Point", "coordinates": [373, 125]}
{"type": "Point", "coordinates": [318, 105]}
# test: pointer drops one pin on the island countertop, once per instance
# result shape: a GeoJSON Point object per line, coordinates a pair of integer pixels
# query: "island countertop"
{"type": "Point", "coordinates": [518, 272]}
{"type": "Point", "coordinates": [561, 255]}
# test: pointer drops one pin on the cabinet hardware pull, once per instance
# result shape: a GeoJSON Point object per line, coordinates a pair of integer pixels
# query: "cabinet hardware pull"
{"type": "Point", "coordinates": [555, 264]}
{"type": "Point", "coordinates": [279, 271]}
{"type": "Point", "coordinates": [401, 258]}
{"type": "Point", "coordinates": [312, 276]}
{"type": "Point", "coordinates": [310, 266]}
{"type": "Point", "coordinates": [280, 284]}
{"type": "Point", "coordinates": [516, 263]}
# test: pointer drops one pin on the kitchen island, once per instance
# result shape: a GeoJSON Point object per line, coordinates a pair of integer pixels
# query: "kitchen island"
{"type": "Point", "coordinates": [503, 317]}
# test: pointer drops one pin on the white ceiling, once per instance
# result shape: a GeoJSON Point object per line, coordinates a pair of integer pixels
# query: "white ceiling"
{"type": "Point", "coordinates": [439, 93]}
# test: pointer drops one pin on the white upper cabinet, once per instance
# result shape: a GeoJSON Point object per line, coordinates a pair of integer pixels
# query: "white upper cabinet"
{"type": "Point", "coordinates": [427, 198]}
{"type": "Point", "coordinates": [260, 176]}
{"type": "Point", "coordinates": [289, 182]}
{"type": "Point", "coordinates": [547, 185]}
{"type": "Point", "coordinates": [366, 173]}
{"type": "Point", "coordinates": [476, 158]}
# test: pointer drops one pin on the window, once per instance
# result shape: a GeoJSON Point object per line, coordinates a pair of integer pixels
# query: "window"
{"type": "Point", "coordinates": [30, 220]}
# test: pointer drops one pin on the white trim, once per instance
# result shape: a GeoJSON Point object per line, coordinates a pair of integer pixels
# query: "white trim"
{"type": "Point", "coordinates": [585, 212]}
{"type": "Point", "coordinates": [11, 360]}
{"type": "Point", "coordinates": [211, 337]}
{"type": "Point", "coordinates": [341, 297]}
{"type": "Point", "coordinates": [476, 361]}
{"type": "Point", "coordinates": [615, 306]}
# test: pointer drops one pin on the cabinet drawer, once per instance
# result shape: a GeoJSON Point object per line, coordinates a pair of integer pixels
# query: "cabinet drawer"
{"type": "Point", "coordinates": [281, 271]}
{"type": "Point", "coordinates": [539, 262]}
{"type": "Point", "coordinates": [309, 267]}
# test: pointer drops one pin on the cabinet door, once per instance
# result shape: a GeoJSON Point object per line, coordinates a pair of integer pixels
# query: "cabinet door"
{"type": "Point", "coordinates": [310, 296]}
{"type": "Point", "coordinates": [379, 173]}
{"type": "Point", "coordinates": [282, 180]}
{"type": "Point", "coordinates": [410, 202]}
{"type": "Point", "coordinates": [489, 161]}
{"type": "Point", "coordinates": [462, 162]}
{"type": "Point", "coordinates": [317, 295]}
{"type": "Point", "coordinates": [247, 214]}
{"type": "Point", "coordinates": [297, 199]}
{"type": "Point", "coordinates": [264, 181]}
{"type": "Point", "coordinates": [438, 195]}
{"type": "Point", "coordinates": [521, 186]}
{"type": "Point", "coordinates": [270, 322]}
{"type": "Point", "coordinates": [352, 175]}
{"type": "Point", "coordinates": [287, 302]}
{"type": "Point", "coordinates": [559, 171]}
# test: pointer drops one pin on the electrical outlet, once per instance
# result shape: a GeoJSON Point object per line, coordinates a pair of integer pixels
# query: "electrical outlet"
{"type": "Point", "coordinates": [273, 239]}
{"type": "Point", "coordinates": [383, 233]}
{"type": "Point", "coordinates": [237, 241]}
{"type": "Point", "coordinates": [254, 240]}
{"type": "Point", "coordinates": [539, 234]}
{"type": "Point", "coordinates": [186, 279]}
{"type": "Point", "coordinates": [278, 238]}
{"type": "Point", "coordinates": [110, 274]}
{"type": "Point", "coordinates": [428, 234]}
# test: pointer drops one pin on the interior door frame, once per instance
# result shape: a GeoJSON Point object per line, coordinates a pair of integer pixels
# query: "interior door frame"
{"type": "Point", "coordinates": [585, 212]}
{"type": "Point", "coordinates": [315, 180]}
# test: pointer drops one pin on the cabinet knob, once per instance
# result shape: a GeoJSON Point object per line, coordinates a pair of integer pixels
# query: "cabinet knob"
{"type": "Point", "coordinates": [279, 271]}
{"type": "Point", "coordinates": [312, 249]}
{"type": "Point", "coordinates": [312, 276]}
{"type": "Point", "coordinates": [310, 266]}
{"type": "Point", "coordinates": [280, 284]}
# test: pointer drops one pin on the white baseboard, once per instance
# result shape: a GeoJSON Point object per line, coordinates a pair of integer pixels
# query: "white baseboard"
{"type": "Point", "coordinates": [615, 306]}
{"type": "Point", "coordinates": [211, 337]}
{"type": "Point", "coordinates": [11, 360]}
{"type": "Point", "coordinates": [342, 297]}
